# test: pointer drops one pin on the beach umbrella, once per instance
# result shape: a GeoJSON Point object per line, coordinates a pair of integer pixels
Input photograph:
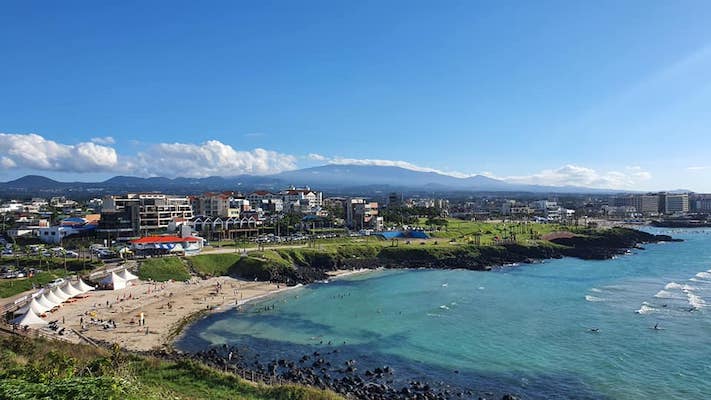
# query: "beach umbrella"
{"type": "Point", "coordinates": [33, 305]}
{"type": "Point", "coordinates": [29, 319]}
{"type": "Point", "coordinates": [83, 286]}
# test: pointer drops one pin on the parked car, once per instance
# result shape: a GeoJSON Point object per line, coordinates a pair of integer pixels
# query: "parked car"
{"type": "Point", "coordinates": [57, 282]}
{"type": "Point", "coordinates": [7, 252]}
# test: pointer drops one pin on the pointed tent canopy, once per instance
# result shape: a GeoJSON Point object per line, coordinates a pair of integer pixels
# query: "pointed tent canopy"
{"type": "Point", "coordinates": [57, 292]}
{"type": "Point", "coordinates": [32, 305]}
{"type": "Point", "coordinates": [29, 319]}
{"type": "Point", "coordinates": [46, 304]}
{"type": "Point", "coordinates": [70, 290]}
{"type": "Point", "coordinates": [127, 275]}
{"type": "Point", "coordinates": [76, 287]}
{"type": "Point", "coordinates": [53, 298]}
{"type": "Point", "coordinates": [83, 286]}
{"type": "Point", "coordinates": [114, 281]}
{"type": "Point", "coordinates": [61, 289]}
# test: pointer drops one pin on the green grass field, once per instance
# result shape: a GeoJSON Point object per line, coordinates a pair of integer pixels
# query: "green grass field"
{"type": "Point", "coordinates": [52, 268]}
{"type": "Point", "coordinates": [163, 269]}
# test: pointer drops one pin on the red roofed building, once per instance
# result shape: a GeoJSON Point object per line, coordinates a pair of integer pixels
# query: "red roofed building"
{"type": "Point", "coordinates": [162, 245]}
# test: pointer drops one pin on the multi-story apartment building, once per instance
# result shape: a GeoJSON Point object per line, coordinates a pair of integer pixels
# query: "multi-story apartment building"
{"type": "Point", "coordinates": [154, 210]}
{"type": "Point", "coordinates": [676, 203]}
{"type": "Point", "coordinates": [293, 199]}
{"type": "Point", "coordinates": [362, 214]}
{"type": "Point", "coordinates": [647, 204]}
{"type": "Point", "coordinates": [224, 205]}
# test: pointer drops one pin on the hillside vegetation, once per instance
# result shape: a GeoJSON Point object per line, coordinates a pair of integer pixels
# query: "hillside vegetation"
{"type": "Point", "coordinates": [40, 369]}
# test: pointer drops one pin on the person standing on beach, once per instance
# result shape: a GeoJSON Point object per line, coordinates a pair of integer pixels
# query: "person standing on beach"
{"type": "Point", "coordinates": [141, 320]}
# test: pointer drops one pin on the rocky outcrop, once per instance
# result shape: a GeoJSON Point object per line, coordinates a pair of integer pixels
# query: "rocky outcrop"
{"type": "Point", "coordinates": [589, 245]}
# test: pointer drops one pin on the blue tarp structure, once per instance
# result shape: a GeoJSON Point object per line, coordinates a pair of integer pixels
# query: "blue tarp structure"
{"type": "Point", "coordinates": [403, 235]}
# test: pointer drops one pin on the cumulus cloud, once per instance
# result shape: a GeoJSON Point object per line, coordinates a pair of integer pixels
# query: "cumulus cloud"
{"type": "Point", "coordinates": [575, 175]}
{"type": "Point", "coordinates": [33, 151]}
{"type": "Point", "coordinates": [211, 158]}
{"type": "Point", "coordinates": [103, 140]}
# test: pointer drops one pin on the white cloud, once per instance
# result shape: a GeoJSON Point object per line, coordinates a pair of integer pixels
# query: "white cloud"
{"type": "Point", "coordinates": [103, 140]}
{"type": "Point", "coordinates": [33, 151]}
{"type": "Point", "coordinates": [574, 175]}
{"type": "Point", "coordinates": [390, 163]}
{"type": "Point", "coordinates": [211, 158]}
{"type": "Point", "coordinates": [697, 168]}
{"type": "Point", "coordinates": [316, 157]}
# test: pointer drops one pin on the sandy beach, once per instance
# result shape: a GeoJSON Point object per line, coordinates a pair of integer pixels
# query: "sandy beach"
{"type": "Point", "coordinates": [164, 307]}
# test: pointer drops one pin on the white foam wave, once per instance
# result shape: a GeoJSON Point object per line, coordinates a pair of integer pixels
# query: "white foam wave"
{"type": "Point", "coordinates": [663, 294]}
{"type": "Point", "coordinates": [596, 290]}
{"type": "Point", "coordinates": [645, 309]}
{"type": "Point", "coordinates": [593, 298]}
{"type": "Point", "coordinates": [678, 286]}
{"type": "Point", "coordinates": [696, 301]}
{"type": "Point", "coordinates": [703, 275]}
{"type": "Point", "coordinates": [444, 307]}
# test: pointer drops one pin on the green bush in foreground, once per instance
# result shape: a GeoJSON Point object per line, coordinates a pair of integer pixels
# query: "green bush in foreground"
{"type": "Point", "coordinates": [163, 269]}
{"type": "Point", "coordinates": [41, 369]}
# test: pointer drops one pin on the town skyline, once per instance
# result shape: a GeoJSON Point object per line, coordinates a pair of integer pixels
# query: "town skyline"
{"type": "Point", "coordinates": [530, 94]}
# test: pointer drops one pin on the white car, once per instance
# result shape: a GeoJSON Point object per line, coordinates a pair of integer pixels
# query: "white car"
{"type": "Point", "coordinates": [57, 282]}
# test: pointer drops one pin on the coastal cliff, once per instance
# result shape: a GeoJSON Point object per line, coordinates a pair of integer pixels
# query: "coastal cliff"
{"type": "Point", "coordinates": [305, 265]}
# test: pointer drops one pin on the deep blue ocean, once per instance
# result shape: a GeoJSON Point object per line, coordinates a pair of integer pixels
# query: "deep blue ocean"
{"type": "Point", "coordinates": [522, 329]}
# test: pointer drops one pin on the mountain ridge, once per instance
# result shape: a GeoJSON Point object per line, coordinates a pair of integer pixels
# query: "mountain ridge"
{"type": "Point", "coordinates": [331, 177]}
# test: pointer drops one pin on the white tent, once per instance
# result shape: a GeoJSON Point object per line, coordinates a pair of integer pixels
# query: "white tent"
{"type": "Point", "coordinates": [115, 281]}
{"type": "Point", "coordinates": [33, 305]}
{"type": "Point", "coordinates": [83, 286]}
{"type": "Point", "coordinates": [126, 275]}
{"type": "Point", "coordinates": [53, 298]}
{"type": "Point", "coordinates": [70, 290]}
{"type": "Point", "coordinates": [76, 287]}
{"type": "Point", "coordinates": [45, 300]}
{"type": "Point", "coordinates": [61, 289]}
{"type": "Point", "coordinates": [29, 318]}
{"type": "Point", "coordinates": [58, 293]}
{"type": "Point", "coordinates": [46, 304]}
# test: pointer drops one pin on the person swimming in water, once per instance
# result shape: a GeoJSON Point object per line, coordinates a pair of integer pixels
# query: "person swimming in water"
{"type": "Point", "coordinates": [595, 330]}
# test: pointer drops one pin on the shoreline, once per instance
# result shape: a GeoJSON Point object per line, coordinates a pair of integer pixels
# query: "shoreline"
{"type": "Point", "coordinates": [168, 308]}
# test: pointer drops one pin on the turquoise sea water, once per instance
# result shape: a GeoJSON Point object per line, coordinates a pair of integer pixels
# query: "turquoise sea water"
{"type": "Point", "coordinates": [516, 329]}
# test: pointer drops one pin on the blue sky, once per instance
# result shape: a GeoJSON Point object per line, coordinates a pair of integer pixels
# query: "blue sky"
{"type": "Point", "coordinates": [603, 94]}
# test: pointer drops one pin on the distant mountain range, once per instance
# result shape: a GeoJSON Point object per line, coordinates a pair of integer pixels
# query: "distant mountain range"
{"type": "Point", "coordinates": [331, 178]}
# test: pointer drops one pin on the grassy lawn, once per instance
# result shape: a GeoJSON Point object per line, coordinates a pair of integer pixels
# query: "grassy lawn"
{"type": "Point", "coordinates": [213, 264]}
{"type": "Point", "coordinates": [51, 269]}
{"type": "Point", "coordinates": [163, 269]}
{"type": "Point", "coordinates": [467, 231]}
{"type": "Point", "coordinates": [11, 287]}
